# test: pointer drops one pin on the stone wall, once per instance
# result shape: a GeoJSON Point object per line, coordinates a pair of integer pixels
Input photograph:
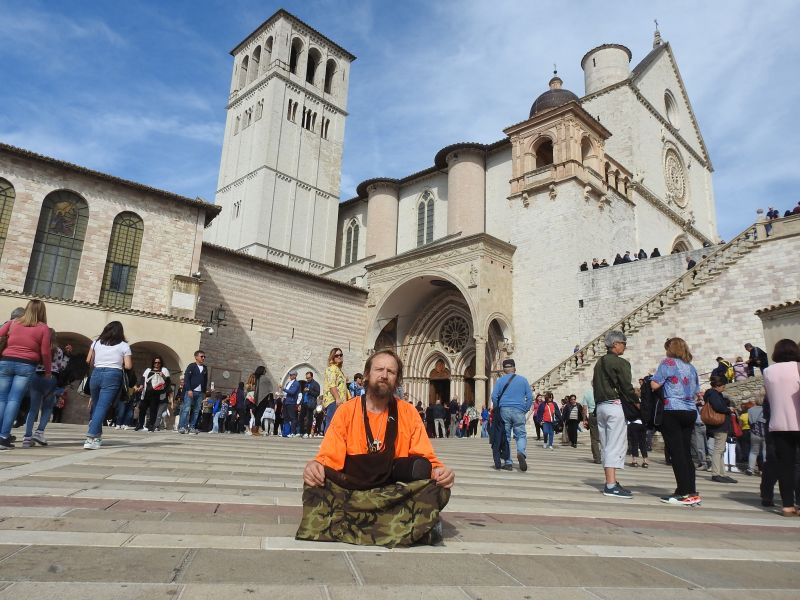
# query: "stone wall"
{"type": "Point", "coordinates": [170, 245]}
{"type": "Point", "coordinates": [610, 294]}
{"type": "Point", "coordinates": [717, 318]}
{"type": "Point", "coordinates": [276, 317]}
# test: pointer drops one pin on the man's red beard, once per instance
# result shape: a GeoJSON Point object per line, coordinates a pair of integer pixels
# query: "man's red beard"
{"type": "Point", "coordinates": [379, 390]}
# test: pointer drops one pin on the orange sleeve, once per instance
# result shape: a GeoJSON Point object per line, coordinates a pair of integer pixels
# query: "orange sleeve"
{"type": "Point", "coordinates": [333, 449]}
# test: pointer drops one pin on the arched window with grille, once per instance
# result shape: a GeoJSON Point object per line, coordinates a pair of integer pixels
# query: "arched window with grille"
{"type": "Point", "coordinates": [425, 219]}
{"type": "Point", "coordinates": [58, 245]}
{"type": "Point", "coordinates": [351, 242]}
{"type": "Point", "coordinates": [123, 260]}
{"type": "Point", "coordinates": [7, 196]}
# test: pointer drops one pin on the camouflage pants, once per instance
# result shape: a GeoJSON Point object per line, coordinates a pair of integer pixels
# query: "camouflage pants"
{"type": "Point", "coordinates": [398, 514]}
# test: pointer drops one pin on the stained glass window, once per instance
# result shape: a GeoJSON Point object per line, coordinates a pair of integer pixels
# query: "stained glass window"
{"type": "Point", "coordinates": [425, 219]}
{"type": "Point", "coordinates": [124, 248]}
{"type": "Point", "coordinates": [351, 243]}
{"type": "Point", "coordinates": [57, 247]}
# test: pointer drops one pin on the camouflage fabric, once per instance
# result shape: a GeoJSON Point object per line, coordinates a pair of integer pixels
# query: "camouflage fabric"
{"type": "Point", "coordinates": [398, 514]}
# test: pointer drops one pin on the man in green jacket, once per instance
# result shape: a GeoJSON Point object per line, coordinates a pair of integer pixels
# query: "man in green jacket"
{"type": "Point", "coordinates": [612, 386]}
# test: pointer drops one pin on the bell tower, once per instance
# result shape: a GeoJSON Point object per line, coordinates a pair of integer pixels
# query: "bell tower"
{"type": "Point", "coordinates": [279, 175]}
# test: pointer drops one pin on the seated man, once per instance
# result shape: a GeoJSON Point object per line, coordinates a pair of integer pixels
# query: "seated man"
{"type": "Point", "coordinates": [376, 479]}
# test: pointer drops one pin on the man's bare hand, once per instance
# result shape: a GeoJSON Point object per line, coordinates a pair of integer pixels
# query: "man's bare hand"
{"type": "Point", "coordinates": [444, 477]}
{"type": "Point", "coordinates": [314, 474]}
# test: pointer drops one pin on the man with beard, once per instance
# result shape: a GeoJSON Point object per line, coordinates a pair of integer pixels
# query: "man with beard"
{"type": "Point", "coordinates": [376, 479]}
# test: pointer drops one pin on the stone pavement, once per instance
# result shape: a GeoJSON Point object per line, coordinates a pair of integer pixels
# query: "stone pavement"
{"type": "Point", "coordinates": [162, 515]}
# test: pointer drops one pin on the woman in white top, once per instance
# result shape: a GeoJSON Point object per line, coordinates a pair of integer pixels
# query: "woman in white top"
{"type": "Point", "coordinates": [109, 354]}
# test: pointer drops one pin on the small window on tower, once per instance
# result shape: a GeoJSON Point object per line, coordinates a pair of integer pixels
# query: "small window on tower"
{"type": "Point", "coordinates": [236, 126]}
{"type": "Point", "coordinates": [259, 109]}
{"type": "Point", "coordinates": [236, 207]}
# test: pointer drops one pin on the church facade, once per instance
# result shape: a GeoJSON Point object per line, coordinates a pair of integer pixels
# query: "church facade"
{"type": "Point", "coordinates": [474, 258]}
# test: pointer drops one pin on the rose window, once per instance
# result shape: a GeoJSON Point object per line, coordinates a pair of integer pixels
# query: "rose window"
{"type": "Point", "coordinates": [675, 177]}
{"type": "Point", "coordinates": [454, 334]}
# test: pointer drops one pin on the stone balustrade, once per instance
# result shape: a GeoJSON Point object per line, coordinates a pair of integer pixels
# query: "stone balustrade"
{"type": "Point", "coordinates": [707, 269]}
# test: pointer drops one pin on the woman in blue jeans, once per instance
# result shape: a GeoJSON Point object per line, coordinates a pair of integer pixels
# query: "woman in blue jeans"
{"type": "Point", "coordinates": [27, 345]}
{"type": "Point", "coordinates": [43, 392]}
{"type": "Point", "coordinates": [109, 354]}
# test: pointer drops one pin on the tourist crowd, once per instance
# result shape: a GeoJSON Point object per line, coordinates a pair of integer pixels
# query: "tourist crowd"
{"type": "Point", "coordinates": [701, 429]}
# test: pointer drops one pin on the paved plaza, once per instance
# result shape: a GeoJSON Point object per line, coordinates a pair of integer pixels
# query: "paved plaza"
{"type": "Point", "coordinates": [161, 515]}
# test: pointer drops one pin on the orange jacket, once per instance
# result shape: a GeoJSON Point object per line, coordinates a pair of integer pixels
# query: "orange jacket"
{"type": "Point", "coordinates": [347, 435]}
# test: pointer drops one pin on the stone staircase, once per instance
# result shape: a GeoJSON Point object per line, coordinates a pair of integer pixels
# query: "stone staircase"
{"type": "Point", "coordinates": [719, 260]}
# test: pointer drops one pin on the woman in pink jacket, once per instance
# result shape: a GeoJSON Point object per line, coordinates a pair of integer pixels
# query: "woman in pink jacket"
{"type": "Point", "coordinates": [27, 345]}
{"type": "Point", "coordinates": [782, 380]}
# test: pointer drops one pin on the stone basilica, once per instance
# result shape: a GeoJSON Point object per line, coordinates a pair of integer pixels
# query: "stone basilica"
{"type": "Point", "coordinates": [475, 257]}
{"type": "Point", "coordinates": [457, 266]}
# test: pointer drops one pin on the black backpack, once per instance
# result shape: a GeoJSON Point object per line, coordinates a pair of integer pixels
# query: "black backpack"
{"type": "Point", "coordinates": [652, 404]}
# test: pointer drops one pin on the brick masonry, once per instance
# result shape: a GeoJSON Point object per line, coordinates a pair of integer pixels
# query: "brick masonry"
{"type": "Point", "coordinates": [296, 319]}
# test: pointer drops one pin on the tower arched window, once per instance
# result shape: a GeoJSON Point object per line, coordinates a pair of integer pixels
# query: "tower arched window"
{"type": "Point", "coordinates": [255, 61]}
{"type": "Point", "coordinates": [294, 55]}
{"type": "Point", "coordinates": [314, 59]}
{"type": "Point", "coordinates": [58, 245]}
{"type": "Point", "coordinates": [7, 197]}
{"type": "Point", "coordinates": [586, 149]}
{"type": "Point", "coordinates": [351, 242]}
{"type": "Point", "coordinates": [544, 153]}
{"type": "Point", "coordinates": [425, 219]}
{"type": "Point", "coordinates": [122, 262]}
{"type": "Point", "coordinates": [243, 72]}
{"type": "Point", "coordinates": [330, 71]}
{"type": "Point", "coordinates": [267, 58]}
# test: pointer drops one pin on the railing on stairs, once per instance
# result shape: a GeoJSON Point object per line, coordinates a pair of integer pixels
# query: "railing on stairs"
{"type": "Point", "coordinates": [707, 269]}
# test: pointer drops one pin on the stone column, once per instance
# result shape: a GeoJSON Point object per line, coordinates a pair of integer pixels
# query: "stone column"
{"type": "Point", "coordinates": [382, 209]}
{"type": "Point", "coordinates": [466, 191]}
{"type": "Point", "coordinates": [480, 371]}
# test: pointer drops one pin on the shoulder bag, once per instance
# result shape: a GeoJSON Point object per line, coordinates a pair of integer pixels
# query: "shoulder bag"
{"type": "Point", "coordinates": [711, 417]}
{"type": "Point", "coordinates": [503, 391]}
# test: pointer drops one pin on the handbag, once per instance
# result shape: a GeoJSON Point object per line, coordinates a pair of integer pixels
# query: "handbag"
{"type": "Point", "coordinates": [736, 427]}
{"type": "Point", "coordinates": [711, 417]}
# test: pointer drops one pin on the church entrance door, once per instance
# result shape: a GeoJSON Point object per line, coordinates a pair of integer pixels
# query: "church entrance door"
{"type": "Point", "coordinates": [439, 383]}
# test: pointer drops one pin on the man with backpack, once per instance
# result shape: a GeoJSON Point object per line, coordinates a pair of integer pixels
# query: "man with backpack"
{"type": "Point", "coordinates": [724, 369]}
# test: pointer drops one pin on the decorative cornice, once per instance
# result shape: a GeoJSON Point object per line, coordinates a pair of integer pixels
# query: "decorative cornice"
{"type": "Point", "coordinates": [685, 224]}
{"type": "Point", "coordinates": [273, 74]}
{"type": "Point", "coordinates": [310, 31]}
{"type": "Point", "coordinates": [279, 175]}
{"type": "Point", "coordinates": [95, 306]}
{"type": "Point", "coordinates": [211, 210]}
{"type": "Point", "coordinates": [442, 248]}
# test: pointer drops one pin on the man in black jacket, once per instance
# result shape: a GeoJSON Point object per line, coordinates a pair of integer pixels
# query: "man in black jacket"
{"type": "Point", "coordinates": [758, 358]}
{"type": "Point", "coordinates": [195, 382]}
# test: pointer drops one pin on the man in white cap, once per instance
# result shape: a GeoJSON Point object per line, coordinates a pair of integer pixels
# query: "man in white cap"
{"type": "Point", "coordinates": [512, 394]}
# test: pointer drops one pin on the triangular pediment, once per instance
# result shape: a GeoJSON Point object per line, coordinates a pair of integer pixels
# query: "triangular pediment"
{"type": "Point", "coordinates": [656, 74]}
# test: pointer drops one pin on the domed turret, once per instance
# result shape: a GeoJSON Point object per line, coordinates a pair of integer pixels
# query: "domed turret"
{"type": "Point", "coordinates": [554, 97]}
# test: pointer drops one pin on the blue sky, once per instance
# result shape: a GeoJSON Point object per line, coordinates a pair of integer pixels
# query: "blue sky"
{"type": "Point", "coordinates": [137, 89]}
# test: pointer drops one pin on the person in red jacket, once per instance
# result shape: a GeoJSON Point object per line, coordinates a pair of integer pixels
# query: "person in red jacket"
{"type": "Point", "coordinates": [27, 345]}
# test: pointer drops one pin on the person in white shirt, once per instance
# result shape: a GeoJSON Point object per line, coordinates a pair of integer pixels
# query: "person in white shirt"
{"type": "Point", "coordinates": [109, 354]}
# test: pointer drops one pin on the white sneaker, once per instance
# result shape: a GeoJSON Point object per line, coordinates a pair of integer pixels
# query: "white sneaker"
{"type": "Point", "coordinates": [117, 426]}
{"type": "Point", "coordinates": [92, 444]}
{"type": "Point", "coordinates": [145, 429]}
{"type": "Point", "coordinates": [305, 436]}
{"type": "Point", "coordinates": [125, 427]}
